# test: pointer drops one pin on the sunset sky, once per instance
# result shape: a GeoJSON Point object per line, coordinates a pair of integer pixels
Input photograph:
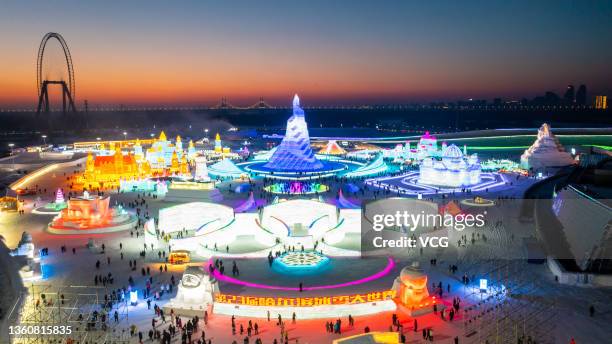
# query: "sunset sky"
{"type": "Point", "coordinates": [330, 52]}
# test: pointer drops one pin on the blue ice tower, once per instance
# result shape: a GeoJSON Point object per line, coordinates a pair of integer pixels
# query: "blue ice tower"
{"type": "Point", "coordinates": [294, 154]}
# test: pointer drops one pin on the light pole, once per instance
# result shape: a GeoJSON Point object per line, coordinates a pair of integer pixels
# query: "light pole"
{"type": "Point", "coordinates": [124, 135]}
{"type": "Point", "coordinates": [44, 137]}
{"type": "Point", "coordinates": [11, 145]}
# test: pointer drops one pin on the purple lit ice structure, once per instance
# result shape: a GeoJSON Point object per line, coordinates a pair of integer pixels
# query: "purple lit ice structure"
{"type": "Point", "coordinates": [294, 158]}
{"type": "Point", "coordinates": [294, 152]}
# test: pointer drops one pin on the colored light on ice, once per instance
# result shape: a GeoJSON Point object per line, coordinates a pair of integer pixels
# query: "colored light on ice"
{"type": "Point", "coordinates": [296, 188]}
{"type": "Point", "coordinates": [483, 284]}
{"type": "Point", "coordinates": [59, 196]}
{"type": "Point", "coordinates": [133, 297]}
{"type": "Point", "coordinates": [300, 262]}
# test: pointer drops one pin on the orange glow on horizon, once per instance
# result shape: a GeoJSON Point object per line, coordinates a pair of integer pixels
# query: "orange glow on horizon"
{"type": "Point", "coordinates": [156, 78]}
{"type": "Point", "coordinates": [333, 54]}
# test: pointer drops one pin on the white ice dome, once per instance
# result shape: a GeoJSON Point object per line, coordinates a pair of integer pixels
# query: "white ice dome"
{"type": "Point", "coordinates": [452, 151]}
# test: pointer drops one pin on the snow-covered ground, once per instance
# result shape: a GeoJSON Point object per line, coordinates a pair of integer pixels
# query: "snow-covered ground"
{"type": "Point", "coordinates": [533, 283]}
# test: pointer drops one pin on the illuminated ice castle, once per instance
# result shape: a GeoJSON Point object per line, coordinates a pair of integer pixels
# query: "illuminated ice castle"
{"type": "Point", "coordinates": [452, 169]}
{"type": "Point", "coordinates": [294, 153]}
{"type": "Point", "coordinates": [218, 147]}
{"type": "Point", "coordinates": [162, 151]}
{"type": "Point", "coordinates": [426, 147]}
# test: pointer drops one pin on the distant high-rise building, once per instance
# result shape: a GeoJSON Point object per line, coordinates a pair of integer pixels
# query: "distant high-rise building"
{"type": "Point", "coordinates": [581, 95]}
{"type": "Point", "coordinates": [601, 102]}
{"type": "Point", "coordinates": [568, 97]}
{"type": "Point", "coordinates": [551, 98]}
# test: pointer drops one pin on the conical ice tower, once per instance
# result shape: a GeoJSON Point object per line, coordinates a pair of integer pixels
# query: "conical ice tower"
{"type": "Point", "coordinates": [546, 151]}
{"type": "Point", "coordinates": [294, 153]}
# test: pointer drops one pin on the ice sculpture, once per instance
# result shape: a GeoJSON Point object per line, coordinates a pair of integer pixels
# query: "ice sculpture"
{"type": "Point", "coordinates": [452, 169]}
{"type": "Point", "coordinates": [294, 154]}
{"type": "Point", "coordinates": [546, 151]}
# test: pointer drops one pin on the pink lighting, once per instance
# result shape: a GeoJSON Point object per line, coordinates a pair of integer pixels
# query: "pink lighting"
{"type": "Point", "coordinates": [382, 273]}
{"type": "Point", "coordinates": [427, 135]}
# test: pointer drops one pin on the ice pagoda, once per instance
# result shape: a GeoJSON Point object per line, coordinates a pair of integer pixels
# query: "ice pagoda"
{"type": "Point", "coordinates": [332, 148]}
{"type": "Point", "coordinates": [546, 151]}
{"type": "Point", "coordinates": [294, 154]}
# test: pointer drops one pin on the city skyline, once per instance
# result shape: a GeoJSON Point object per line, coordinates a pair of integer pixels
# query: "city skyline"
{"type": "Point", "coordinates": [365, 53]}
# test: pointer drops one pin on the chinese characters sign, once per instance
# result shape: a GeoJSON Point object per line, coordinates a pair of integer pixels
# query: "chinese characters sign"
{"type": "Point", "coordinates": [304, 301]}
